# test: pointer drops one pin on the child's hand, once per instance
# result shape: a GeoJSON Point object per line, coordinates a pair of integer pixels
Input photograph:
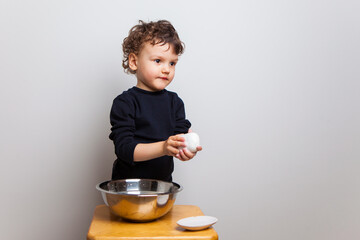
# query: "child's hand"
{"type": "Point", "coordinates": [186, 155]}
{"type": "Point", "coordinates": [172, 145]}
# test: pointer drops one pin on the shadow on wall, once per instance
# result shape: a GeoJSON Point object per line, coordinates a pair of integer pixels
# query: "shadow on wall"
{"type": "Point", "coordinates": [101, 160]}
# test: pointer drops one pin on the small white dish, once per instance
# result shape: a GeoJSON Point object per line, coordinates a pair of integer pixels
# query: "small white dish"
{"type": "Point", "coordinates": [197, 223]}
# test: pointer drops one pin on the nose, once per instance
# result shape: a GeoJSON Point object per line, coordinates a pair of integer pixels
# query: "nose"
{"type": "Point", "coordinates": [165, 69]}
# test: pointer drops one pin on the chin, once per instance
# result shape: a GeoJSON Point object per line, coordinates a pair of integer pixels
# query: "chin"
{"type": "Point", "coordinates": [160, 87]}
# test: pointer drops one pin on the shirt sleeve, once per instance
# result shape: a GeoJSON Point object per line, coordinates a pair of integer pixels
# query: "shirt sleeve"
{"type": "Point", "coordinates": [123, 127]}
{"type": "Point", "coordinates": [182, 124]}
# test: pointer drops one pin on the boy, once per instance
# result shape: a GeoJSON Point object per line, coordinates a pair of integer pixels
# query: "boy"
{"type": "Point", "coordinates": [147, 120]}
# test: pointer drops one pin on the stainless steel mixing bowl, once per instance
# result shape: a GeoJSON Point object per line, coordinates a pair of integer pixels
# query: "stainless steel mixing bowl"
{"type": "Point", "coordinates": [139, 200]}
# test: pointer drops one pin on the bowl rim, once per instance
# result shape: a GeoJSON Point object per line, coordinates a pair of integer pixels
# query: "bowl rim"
{"type": "Point", "coordinates": [179, 188]}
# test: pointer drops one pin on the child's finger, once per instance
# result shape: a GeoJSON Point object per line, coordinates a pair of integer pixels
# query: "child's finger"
{"type": "Point", "coordinates": [184, 155]}
{"type": "Point", "coordinates": [179, 143]}
{"type": "Point", "coordinates": [188, 154]}
{"type": "Point", "coordinates": [174, 151]}
{"type": "Point", "coordinates": [179, 137]}
{"type": "Point", "coordinates": [178, 156]}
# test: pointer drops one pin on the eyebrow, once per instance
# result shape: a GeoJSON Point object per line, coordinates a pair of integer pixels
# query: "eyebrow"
{"type": "Point", "coordinates": [161, 57]}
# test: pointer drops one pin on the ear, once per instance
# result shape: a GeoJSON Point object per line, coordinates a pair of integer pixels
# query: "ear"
{"type": "Point", "coordinates": [133, 61]}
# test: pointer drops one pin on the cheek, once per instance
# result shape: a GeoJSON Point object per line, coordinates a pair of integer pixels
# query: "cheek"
{"type": "Point", "coordinates": [172, 71]}
{"type": "Point", "coordinates": [172, 75]}
{"type": "Point", "coordinates": [148, 72]}
{"type": "Point", "coordinates": [151, 70]}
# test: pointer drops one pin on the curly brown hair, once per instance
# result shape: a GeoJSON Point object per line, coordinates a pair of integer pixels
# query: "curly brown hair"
{"type": "Point", "coordinates": [160, 32]}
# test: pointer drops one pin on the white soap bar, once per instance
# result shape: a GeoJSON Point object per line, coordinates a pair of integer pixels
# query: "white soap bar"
{"type": "Point", "coordinates": [192, 141]}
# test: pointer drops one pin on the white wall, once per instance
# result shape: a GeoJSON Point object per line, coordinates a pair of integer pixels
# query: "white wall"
{"type": "Point", "coordinates": [272, 87]}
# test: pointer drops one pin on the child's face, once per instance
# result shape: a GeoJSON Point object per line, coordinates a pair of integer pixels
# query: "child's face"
{"type": "Point", "coordinates": [155, 66]}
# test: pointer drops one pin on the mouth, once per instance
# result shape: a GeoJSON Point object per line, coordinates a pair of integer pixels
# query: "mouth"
{"type": "Point", "coordinates": [163, 78]}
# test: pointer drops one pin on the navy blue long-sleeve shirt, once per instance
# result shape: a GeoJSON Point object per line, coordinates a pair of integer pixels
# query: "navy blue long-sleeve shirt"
{"type": "Point", "coordinates": [140, 116]}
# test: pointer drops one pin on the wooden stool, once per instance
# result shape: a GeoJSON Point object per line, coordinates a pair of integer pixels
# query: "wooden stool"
{"type": "Point", "coordinates": [106, 225]}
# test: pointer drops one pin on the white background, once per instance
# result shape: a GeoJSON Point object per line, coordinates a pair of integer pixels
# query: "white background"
{"type": "Point", "coordinates": [271, 87]}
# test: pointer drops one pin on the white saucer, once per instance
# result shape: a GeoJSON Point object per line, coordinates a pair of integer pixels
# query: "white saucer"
{"type": "Point", "coordinates": [197, 223]}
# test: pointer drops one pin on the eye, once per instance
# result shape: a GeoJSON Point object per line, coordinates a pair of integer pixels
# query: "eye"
{"type": "Point", "coordinates": [157, 60]}
{"type": "Point", "coordinates": [172, 63]}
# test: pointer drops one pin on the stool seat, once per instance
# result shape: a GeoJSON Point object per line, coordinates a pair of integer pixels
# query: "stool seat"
{"type": "Point", "coordinates": [106, 225]}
